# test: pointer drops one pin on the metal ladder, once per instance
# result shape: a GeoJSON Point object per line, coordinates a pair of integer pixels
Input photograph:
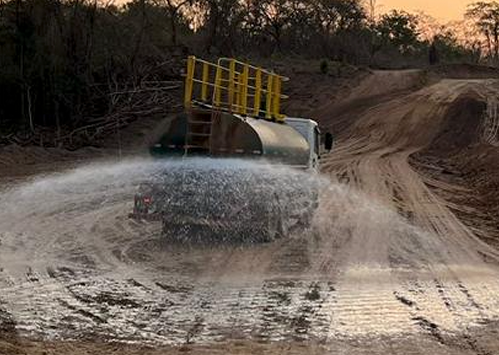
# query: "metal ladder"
{"type": "Point", "coordinates": [199, 132]}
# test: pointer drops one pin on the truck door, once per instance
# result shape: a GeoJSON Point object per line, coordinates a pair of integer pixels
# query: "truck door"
{"type": "Point", "coordinates": [315, 148]}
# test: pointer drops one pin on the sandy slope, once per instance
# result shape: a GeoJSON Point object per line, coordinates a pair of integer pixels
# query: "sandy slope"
{"type": "Point", "coordinates": [373, 157]}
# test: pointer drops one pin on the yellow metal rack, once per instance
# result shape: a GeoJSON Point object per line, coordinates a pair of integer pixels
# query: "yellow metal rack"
{"type": "Point", "coordinates": [234, 86]}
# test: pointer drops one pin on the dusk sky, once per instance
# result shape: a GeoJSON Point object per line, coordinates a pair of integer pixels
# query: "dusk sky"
{"type": "Point", "coordinates": [444, 10]}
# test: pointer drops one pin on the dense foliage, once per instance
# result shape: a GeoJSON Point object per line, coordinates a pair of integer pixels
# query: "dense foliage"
{"type": "Point", "coordinates": [62, 60]}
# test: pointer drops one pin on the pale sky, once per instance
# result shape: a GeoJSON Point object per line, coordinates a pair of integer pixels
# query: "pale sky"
{"type": "Point", "coordinates": [444, 10]}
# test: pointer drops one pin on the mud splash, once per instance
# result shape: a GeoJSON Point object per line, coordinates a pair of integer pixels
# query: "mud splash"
{"type": "Point", "coordinates": [74, 265]}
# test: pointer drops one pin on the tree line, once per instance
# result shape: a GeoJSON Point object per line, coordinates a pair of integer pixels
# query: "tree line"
{"type": "Point", "coordinates": [63, 61]}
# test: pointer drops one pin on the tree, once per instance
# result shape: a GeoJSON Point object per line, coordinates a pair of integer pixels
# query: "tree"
{"type": "Point", "coordinates": [277, 15]}
{"type": "Point", "coordinates": [174, 9]}
{"type": "Point", "coordinates": [222, 21]}
{"type": "Point", "coordinates": [341, 27]}
{"type": "Point", "coordinates": [340, 15]}
{"type": "Point", "coordinates": [428, 27]}
{"type": "Point", "coordinates": [372, 10]}
{"type": "Point", "coordinates": [485, 16]}
{"type": "Point", "coordinates": [399, 28]}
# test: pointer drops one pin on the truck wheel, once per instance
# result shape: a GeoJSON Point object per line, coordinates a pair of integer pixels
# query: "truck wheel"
{"type": "Point", "coordinates": [174, 232]}
{"type": "Point", "coordinates": [276, 228]}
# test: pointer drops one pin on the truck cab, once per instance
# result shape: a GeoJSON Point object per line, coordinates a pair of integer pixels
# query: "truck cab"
{"type": "Point", "coordinates": [308, 129]}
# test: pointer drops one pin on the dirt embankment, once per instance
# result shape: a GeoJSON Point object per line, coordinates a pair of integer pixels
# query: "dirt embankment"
{"type": "Point", "coordinates": [457, 146]}
{"type": "Point", "coordinates": [464, 153]}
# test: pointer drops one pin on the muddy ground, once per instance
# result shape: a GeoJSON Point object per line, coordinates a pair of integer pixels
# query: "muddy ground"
{"type": "Point", "coordinates": [401, 256]}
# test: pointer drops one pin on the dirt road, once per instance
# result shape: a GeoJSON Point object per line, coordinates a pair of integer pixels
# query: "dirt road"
{"type": "Point", "coordinates": [386, 267]}
{"type": "Point", "coordinates": [374, 158]}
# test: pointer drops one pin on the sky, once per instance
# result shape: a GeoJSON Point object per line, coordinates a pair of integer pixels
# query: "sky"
{"type": "Point", "coordinates": [444, 10]}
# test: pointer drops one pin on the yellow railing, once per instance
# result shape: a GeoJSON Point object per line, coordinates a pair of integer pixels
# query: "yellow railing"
{"type": "Point", "coordinates": [234, 86]}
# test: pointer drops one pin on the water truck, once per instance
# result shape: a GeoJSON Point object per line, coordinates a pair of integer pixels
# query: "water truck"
{"type": "Point", "coordinates": [232, 110]}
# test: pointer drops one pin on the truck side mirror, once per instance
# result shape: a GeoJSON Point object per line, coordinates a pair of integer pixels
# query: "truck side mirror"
{"type": "Point", "coordinates": [328, 142]}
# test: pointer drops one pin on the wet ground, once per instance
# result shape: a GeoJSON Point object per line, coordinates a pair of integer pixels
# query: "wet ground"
{"type": "Point", "coordinates": [74, 266]}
